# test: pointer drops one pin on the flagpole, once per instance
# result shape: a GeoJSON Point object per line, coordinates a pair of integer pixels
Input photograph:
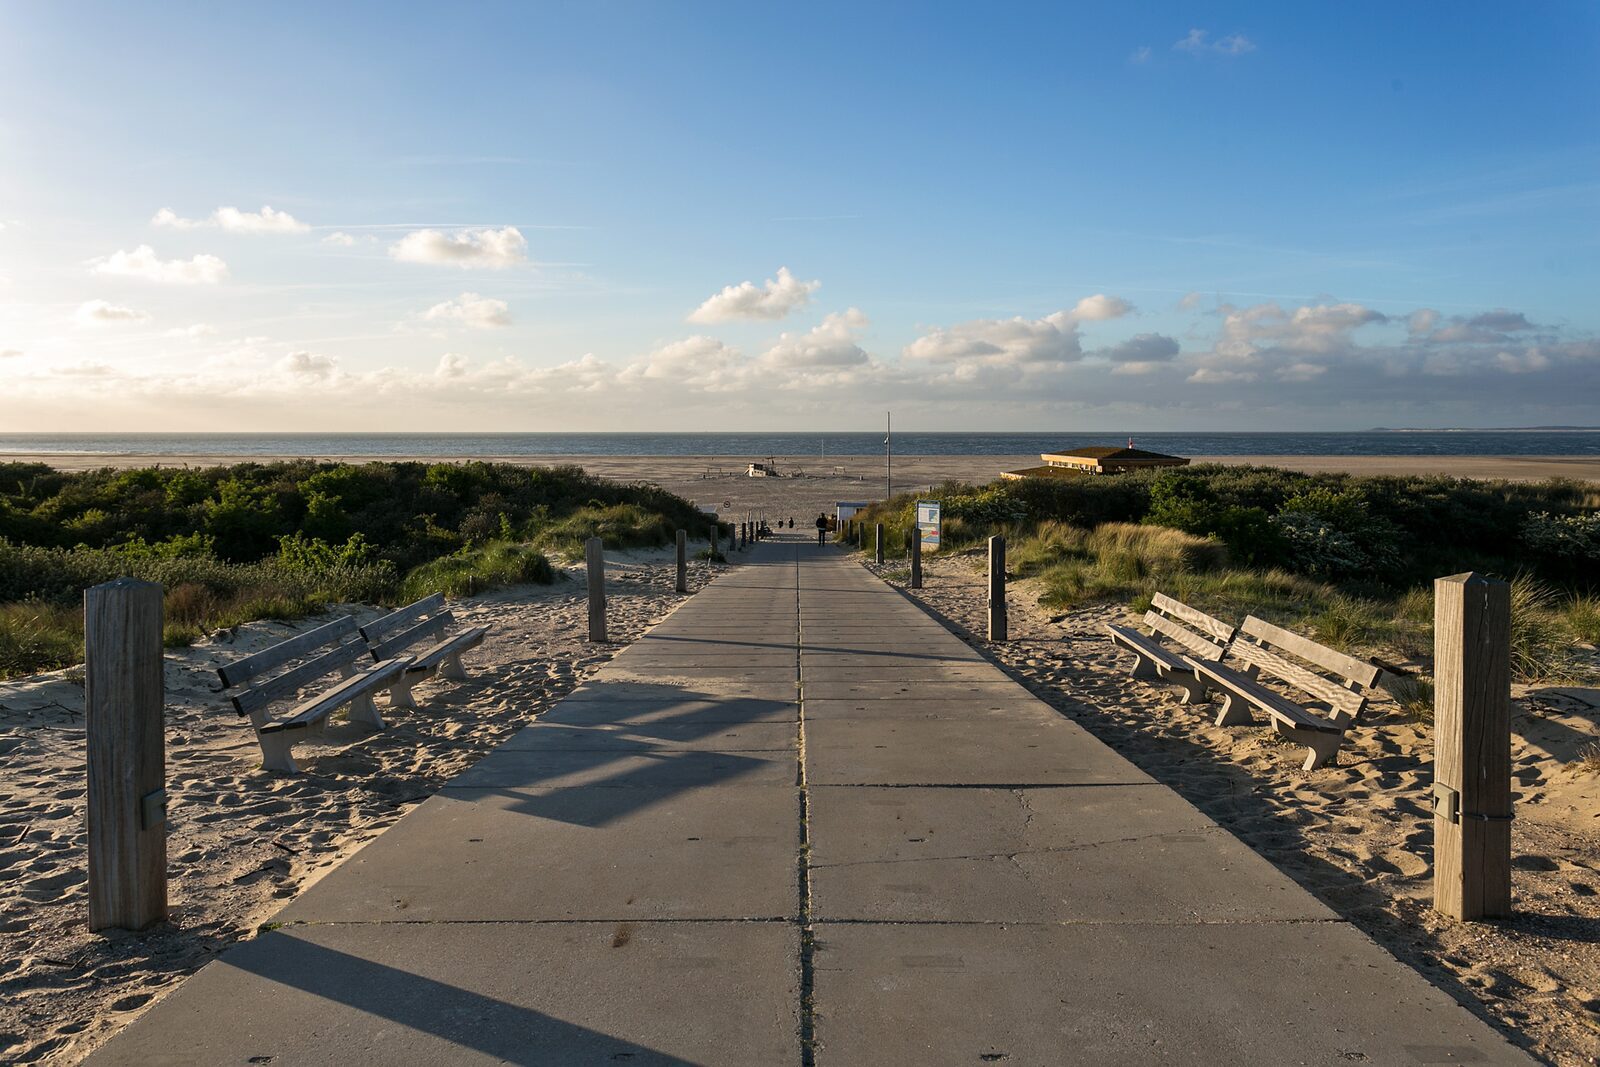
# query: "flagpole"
{"type": "Point", "coordinates": [888, 448]}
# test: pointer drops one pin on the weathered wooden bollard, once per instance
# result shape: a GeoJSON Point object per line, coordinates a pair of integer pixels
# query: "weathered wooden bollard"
{"type": "Point", "coordinates": [916, 556]}
{"type": "Point", "coordinates": [1472, 747]}
{"type": "Point", "coordinates": [682, 585]}
{"type": "Point", "coordinates": [715, 533]}
{"type": "Point", "coordinates": [124, 698]}
{"type": "Point", "coordinates": [877, 530]}
{"type": "Point", "coordinates": [594, 556]}
{"type": "Point", "coordinates": [997, 588]}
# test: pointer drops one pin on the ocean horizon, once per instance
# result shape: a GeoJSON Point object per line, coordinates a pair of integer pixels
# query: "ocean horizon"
{"type": "Point", "coordinates": [1396, 442]}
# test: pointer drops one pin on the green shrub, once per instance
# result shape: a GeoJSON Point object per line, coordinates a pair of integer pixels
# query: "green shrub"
{"type": "Point", "coordinates": [474, 570]}
{"type": "Point", "coordinates": [39, 637]}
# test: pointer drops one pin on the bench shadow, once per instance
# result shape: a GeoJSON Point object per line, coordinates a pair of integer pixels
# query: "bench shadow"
{"type": "Point", "coordinates": [467, 1020]}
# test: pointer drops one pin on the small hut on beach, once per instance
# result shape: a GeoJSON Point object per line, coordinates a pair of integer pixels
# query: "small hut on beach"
{"type": "Point", "coordinates": [1095, 459]}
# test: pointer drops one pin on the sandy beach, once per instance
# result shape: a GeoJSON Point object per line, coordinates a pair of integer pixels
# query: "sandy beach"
{"type": "Point", "coordinates": [243, 840]}
{"type": "Point", "coordinates": [813, 484]}
{"type": "Point", "coordinates": [1357, 833]}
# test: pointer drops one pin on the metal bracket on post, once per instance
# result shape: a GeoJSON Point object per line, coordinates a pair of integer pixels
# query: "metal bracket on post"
{"type": "Point", "coordinates": [1448, 800]}
{"type": "Point", "coordinates": [153, 810]}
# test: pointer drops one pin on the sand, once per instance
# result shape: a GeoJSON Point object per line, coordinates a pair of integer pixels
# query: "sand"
{"type": "Point", "coordinates": [245, 841]}
{"type": "Point", "coordinates": [1358, 835]}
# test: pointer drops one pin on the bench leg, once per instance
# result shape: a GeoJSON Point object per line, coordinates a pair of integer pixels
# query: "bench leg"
{"type": "Point", "coordinates": [400, 695]}
{"type": "Point", "coordinates": [450, 667]}
{"type": "Point", "coordinates": [364, 711]}
{"type": "Point", "coordinates": [1235, 711]}
{"type": "Point", "coordinates": [277, 752]}
{"type": "Point", "coordinates": [1194, 690]}
{"type": "Point", "coordinates": [1321, 746]}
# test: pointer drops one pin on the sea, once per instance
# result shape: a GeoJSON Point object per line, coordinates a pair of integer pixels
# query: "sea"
{"type": "Point", "coordinates": [1524, 442]}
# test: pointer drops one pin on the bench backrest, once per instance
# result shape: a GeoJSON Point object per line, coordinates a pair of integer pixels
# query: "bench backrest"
{"type": "Point", "coordinates": [1199, 633]}
{"type": "Point", "coordinates": [312, 654]}
{"type": "Point", "coordinates": [1261, 645]}
{"type": "Point", "coordinates": [399, 630]}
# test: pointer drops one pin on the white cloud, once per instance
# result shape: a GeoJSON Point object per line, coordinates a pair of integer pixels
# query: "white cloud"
{"type": "Point", "coordinates": [1220, 376]}
{"type": "Point", "coordinates": [698, 362]}
{"type": "Point", "coordinates": [832, 344]}
{"type": "Point", "coordinates": [339, 239]}
{"type": "Point", "coordinates": [451, 365]}
{"type": "Point", "coordinates": [1140, 54]}
{"type": "Point", "coordinates": [472, 310]}
{"type": "Point", "coordinates": [231, 219]}
{"type": "Point", "coordinates": [492, 249]}
{"type": "Point", "coordinates": [195, 332]}
{"type": "Point", "coordinates": [1098, 307]}
{"type": "Point", "coordinates": [774, 300]}
{"type": "Point", "coordinates": [143, 263]}
{"type": "Point", "coordinates": [1422, 322]}
{"type": "Point", "coordinates": [1189, 302]}
{"type": "Point", "coordinates": [104, 313]}
{"type": "Point", "coordinates": [1196, 42]}
{"type": "Point", "coordinates": [306, 365]}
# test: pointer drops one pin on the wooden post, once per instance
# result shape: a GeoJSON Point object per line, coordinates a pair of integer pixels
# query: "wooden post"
{"type": "Point", "coordinates": [594, 555]}
{"type": "Point", "coordinates": [878, 532]}
{"type": "Point", "coordinates": [1472, 747]}
{"type": "Point", "coordinates": [715, 532]}
{"type": "Point", "coordinates": [916, 556]}
{"type": "Point", "coordinates": [997, 588]}
{"type": "Point", "coordinates": [124, 696]}
{"type": "Point", "coordinates": [682, 585]}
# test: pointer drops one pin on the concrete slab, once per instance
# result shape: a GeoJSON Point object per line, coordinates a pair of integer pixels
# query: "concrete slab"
{"type": "Point", "coordinates": [1080, 854]}
{"type": "Point", "coordinates": [664, 711]}
{"type": "Point", "coordinates": [664, 736]}
{"type": "Point", "coordinates": [957, 690]}
{"type": "Point", "coordinates": [649, 768]}
{"type": "Point", "coordinates": [938, 673]}
{"type": "Point", "coordinates": [638, 993]}
{"type": "Point", "coordinates": [1225, 993]}
{"type": "Point", "coordinates": [569, 854]}
{"type": "Point", "coordinates": [674, 688]}
{"type": "Point", "coordinates": [912, 707]}
{"type": "Point", "coordinates": [990, 751]}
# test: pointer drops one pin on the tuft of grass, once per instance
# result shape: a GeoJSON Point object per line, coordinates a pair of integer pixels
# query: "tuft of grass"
{"type": "Point", "coordinates": [1414, 694]}
{"type": "Point", "coordinates": [474, 570]}
{"type": "Point", "coordinates": [1541, 650]}
{"type": "Point", "coordinates": [1346, 622]}
{"type": "Point", "coordinates": [1582, 616]}
{"type": "Point", "coordinates": [1589, 758]}
{"type": "Point", "coordinates": [39, 637]}
{"type": "Point", "coordinates": [619, 526]}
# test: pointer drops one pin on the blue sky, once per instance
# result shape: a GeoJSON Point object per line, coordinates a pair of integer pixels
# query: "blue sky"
{"type": "Point", "coordinates": [526, 217]}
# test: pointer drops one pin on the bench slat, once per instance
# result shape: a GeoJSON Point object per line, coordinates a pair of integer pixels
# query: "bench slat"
{"type": "Point", "coordinates": [408, 637]}
{"type": "Point", "coordinates": [1274, 704]}
{"type": "Point", "coordinates": [1198, 644]}
{"type": "Point", "coordinates": [375, 630]}
{"type": "Point", "coordinates": [291, 681]}
{"type": "Point", "coordinates": [240, 672]}
{"type": "Point", "coordinates": [1146, 647]}
{"type": "Point", "coordinates": [1330, 692]}
{"type": "Point", "coordinates": [1356, 670]}
{"type": "Point", "coordinates": [324, 704]}
{"type": "Point", "coordinates": [1193, 616]}
{"type": "Point", "coordinates": [459, 643]}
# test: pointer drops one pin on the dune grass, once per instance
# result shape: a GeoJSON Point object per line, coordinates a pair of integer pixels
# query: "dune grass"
{"type": "Point", "coordinates": [474, 570]}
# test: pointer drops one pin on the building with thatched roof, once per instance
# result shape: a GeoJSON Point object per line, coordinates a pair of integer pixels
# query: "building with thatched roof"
{"type": "Point", "coordinates": [1095, 459]}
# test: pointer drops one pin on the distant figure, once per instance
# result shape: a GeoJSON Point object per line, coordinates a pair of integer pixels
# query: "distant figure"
{"type": "Point", "coordinates": [822, 529]}
{"type": "Point", "coordinates": [791, 522]}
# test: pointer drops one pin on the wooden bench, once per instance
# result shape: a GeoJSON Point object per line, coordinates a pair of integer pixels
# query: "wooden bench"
{"type": "Point", "coordinates": [1199, 634]}
{"type": "Point", "coordinates": [427, 618]}
{"type": "Point", "coordinates": [285, 670]}
{"type": "Point", "coordinates": [1263, 649]}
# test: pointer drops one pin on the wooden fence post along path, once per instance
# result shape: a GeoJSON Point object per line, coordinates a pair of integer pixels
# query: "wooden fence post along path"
{"type": "Point", "coordinates": [1472, 747]}
{"type": "Point", "coordinates": [997, 588]}
{"type": "Point", "coordinates": [594, 556]}
{"type": "Point", "coordinates": [124, 698]}
{"type": "Point", "coordinates": [682, 585]}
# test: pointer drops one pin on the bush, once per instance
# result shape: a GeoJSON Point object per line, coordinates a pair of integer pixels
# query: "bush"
{"type": "Point", "coordinates": [475, 570]}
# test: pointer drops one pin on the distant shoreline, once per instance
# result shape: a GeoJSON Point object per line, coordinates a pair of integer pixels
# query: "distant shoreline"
{"type": "Point", "coordinates": [681, 473]}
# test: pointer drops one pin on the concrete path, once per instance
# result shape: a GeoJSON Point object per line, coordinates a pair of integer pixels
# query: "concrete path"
{"type": "Point", "coordinates": [800, 822]}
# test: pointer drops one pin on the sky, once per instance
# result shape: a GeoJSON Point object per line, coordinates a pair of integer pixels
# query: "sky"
{"type": "Point", "coordinates": [695, 216]}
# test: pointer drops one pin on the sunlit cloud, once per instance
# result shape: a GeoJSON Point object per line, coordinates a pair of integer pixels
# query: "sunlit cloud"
{"type": "Point", "coordinates": [105, 313]}
{"type": "Point", "coordinates": [231, 219]}
{"type": "Point", "coordinates": [831, 344]}
{"type": "Point", "coordinates": [471, 310]}
{"type": "Point", "coordinates": [1196, 42]}
{"type": "Point", "coordinates": [339, 239]}
{"type": "Point", "coordinates": [489, 248]}
{"type": "Point", "coordinates": [771, 301]}
{"type": "Point", "coordinates": [142, 262]}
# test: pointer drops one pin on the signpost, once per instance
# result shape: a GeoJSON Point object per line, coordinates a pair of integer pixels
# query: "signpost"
{"type": "Point", "coordinates": [928, 524]}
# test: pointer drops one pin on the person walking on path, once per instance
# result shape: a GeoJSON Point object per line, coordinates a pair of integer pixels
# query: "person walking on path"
{"type": "Point", "coordinates": [822, 529]}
